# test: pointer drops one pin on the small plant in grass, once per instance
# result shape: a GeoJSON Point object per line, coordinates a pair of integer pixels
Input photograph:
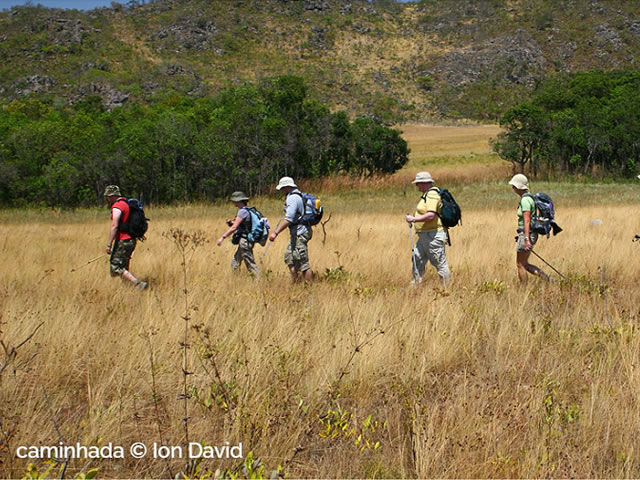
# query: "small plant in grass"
{"type": "Point", "coordinates": [493, 286]}
{"type": "Point", "coordinates": [53, 469]}
{"type": "Point", "coordinates": [251, 468]}
{"type": "Point", "coordinates": [339, 424]}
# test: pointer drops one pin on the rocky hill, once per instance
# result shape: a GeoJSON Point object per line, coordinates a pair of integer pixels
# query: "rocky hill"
{"type": "Point", "coordinates": [424, 61]}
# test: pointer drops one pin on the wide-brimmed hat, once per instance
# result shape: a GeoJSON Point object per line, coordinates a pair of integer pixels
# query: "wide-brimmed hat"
{"type": "Point", "coordinates": [239, 196]}
{"type": "Point", "coordinates": [423, 177]}
{"type": "Point", "coordinates": [112, 191]}
{"type": "Point", "coordinates": [520, 182]}
{"type": "Point", "coordinates": [286, 182]}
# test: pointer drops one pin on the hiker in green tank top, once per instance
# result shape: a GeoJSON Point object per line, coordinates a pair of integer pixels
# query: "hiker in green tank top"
{"type": "Point", "coordinates": [526, 238]}
{"type": "Point", "coordinates": [239, 228]}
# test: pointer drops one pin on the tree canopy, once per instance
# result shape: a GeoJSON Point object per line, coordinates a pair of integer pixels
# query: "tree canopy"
{"type": "Point", "coordinates": [586, 123]}
{"type": "Point", "coordinates": [183, 149]}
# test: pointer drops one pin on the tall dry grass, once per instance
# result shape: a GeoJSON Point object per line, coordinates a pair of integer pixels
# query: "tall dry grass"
{"type": "Point", "coordinates": [356, 375]}
{"type": "Point", "coordinates": [484, 380]}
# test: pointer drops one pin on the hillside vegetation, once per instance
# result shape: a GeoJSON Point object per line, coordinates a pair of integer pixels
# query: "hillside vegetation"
{"type": "Point", "coordinates": [393, 61]}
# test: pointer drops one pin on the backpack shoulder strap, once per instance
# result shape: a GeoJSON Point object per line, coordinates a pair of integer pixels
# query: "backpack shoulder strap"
{"type": "Point", "coordinates": [535, 204]}
{"type": "Point", "coordinates": [527, 195]}
{"type": "Point", "coordinates": [424, 195]}
{"type": "Point", "coordinates": [242, 225]}
{"type": "Point", "coordinates": [301, 195]}
{"type": "Point", "coordinates": [120, 199]}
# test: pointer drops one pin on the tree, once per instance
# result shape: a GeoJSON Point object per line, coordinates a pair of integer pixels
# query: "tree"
{"type": "Point", "coordinates": [525, 126]}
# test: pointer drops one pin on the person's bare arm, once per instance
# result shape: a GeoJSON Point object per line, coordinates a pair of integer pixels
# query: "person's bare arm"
{"type": "Point", "coordinates": [234, 226]}
{"type": "Point", "coordinates": [115, 223]}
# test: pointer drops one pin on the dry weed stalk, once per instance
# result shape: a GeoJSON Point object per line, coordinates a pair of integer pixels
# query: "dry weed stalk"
{"type": "Point", "coordinates": [154, 391]}
{"type": "Point", "coordinates": [186, 243]}
{"type": "Point", "coordinates": [12, 352]}
{"type": "Point", "coordinates": [324, 231]}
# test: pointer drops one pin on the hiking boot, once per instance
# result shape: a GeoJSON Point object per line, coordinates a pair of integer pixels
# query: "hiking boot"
{"type": "Point", "coordinates": [141, 285]}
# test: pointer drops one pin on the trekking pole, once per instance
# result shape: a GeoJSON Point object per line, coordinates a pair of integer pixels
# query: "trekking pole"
{"type": "Point", "coordinates": [548, 264]}
{"type": "Point", "coordinates": [413, 256]}
{"type": "Point", "coordinates": [90, 261]}
{"type": "Point", "coordinates": [269, 242]}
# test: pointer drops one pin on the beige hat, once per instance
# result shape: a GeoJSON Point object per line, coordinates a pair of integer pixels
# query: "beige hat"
{"type": "Point", "coordinates": [423, 177]}
{"type": "Point", "coordinates": [239, 196]}
{"type": "Point", "coordinates": [286, 182]}
{"type": "Point", "coordinates": [112, 191]}
{"type": "Point", "coordinates": [520, 182]}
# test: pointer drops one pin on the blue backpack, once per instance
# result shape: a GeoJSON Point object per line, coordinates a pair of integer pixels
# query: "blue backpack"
{"type": "Point", "coordinates": [259, 227]}
{"type": "Point", "coordinates": [313, 211]}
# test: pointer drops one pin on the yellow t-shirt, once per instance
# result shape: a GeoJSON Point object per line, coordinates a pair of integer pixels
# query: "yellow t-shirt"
{"type": "Point", "coordinates": [430, 202]}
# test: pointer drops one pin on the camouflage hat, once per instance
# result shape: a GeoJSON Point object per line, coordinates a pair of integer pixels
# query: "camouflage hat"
{"type": "Point", "coordinates": [239, 197]}
{"type": "Point", "coordinates": [112, 191]}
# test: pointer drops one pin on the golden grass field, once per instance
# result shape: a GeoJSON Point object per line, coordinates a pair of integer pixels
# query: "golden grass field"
{"type": "Point", "coordinates": [353, 376]}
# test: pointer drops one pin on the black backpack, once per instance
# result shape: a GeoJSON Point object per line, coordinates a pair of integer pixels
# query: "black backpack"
{"type": "Point", "coordinates": [451, 214]}
{"type": "Point", "coordinates": [138, 222]}
{"type": "Point", "coordinates": [543, 219]}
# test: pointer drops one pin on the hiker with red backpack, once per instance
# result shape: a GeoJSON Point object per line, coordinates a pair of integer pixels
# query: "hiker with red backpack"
{"type": "Point", "coordinates": [432, 234]}
{"type": "Point", "coordinates": [302, 211]}
{"type": "Point", "coordinates": [122, 237]}
{"type": "Point", "coordinates": [248, 228]}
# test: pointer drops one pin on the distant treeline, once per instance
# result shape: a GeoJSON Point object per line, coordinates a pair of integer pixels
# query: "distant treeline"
{"type": "Point", "coordinates": [585, 123]}
{"type": "Point", "coordinates": [183, 149]}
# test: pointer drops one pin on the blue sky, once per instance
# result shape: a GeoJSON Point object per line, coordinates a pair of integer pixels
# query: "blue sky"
{"type": "Point", "coordinates": [79, 4]}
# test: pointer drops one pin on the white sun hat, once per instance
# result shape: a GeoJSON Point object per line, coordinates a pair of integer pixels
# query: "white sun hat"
{"type": "Point", "coordinates": [520, 182]}
{"type": "Point", "coordinates": [423, 177]}
{"type": "Point", "coordinates": [286, 182]}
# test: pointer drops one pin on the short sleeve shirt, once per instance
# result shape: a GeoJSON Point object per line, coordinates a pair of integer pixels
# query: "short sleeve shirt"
{"type": "Point", "coordinates": [294, 209]}
{"type": "Point", "coordinates": [243, 213]}
{"type": "Point", "coordinates": [527, 204]}
{"type": "Point", "coordinates": [431, 202]}
{"type": "Point", "coordinates": [122, 205]}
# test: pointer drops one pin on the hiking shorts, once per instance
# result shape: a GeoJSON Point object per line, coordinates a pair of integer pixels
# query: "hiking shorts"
{"type": "Point", "coordinates": [533, 237]}
{"type": "Point", "coordinates": [121, 256]}
{"type": "Point", "coordinates": [297, 253]}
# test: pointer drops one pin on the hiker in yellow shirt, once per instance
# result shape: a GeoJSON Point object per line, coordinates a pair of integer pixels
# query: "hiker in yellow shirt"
{"type": "Point", "coordinates": [431, 234]}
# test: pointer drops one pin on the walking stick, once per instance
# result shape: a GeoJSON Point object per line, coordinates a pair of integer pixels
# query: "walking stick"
{"type": "Point", "coordinates": [548, 264]}
{"type": "Point", "coordinates": [413, 256]}
{"type": "Point", "coordinates": [269, 242]}
{"type": "Point", "coordinates": [90, 261]}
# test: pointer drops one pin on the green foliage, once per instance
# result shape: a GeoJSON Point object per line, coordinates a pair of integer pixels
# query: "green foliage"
{"type": "Point", "coordinates": [426, 83]}
{"type": "Point", "coordinates": [54, 470]}
{"type": "Point", "coordinates": [251, 468]}
{"type": "Point", "coordinates": [342, 425]}
{"type": "Point", "coordinates": [181, 149]}
{"type": "Point", "coordinates": [584, 123]}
